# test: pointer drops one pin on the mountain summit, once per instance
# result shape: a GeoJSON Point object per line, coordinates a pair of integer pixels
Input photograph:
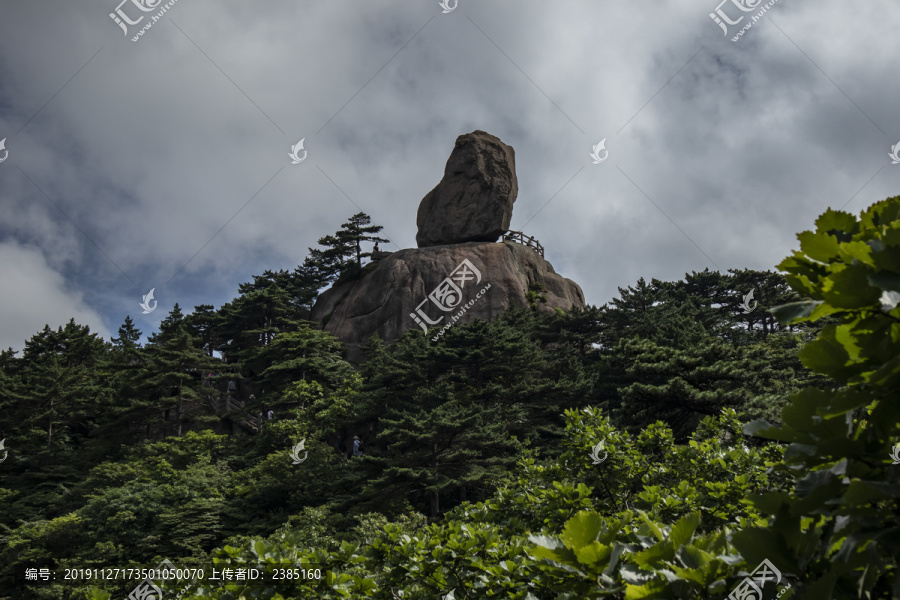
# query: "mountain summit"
{"type": "Point", "coordinates": [460, 271]}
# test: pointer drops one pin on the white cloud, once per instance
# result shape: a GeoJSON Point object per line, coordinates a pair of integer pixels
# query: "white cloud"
{"type": "Point", "coordinates": [33, 295]}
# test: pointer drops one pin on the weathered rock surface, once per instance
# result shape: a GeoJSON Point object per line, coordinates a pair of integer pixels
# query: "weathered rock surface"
{"type": "Point", "coordinates": [400, 284]}
{"type": "Point", "coordinates": [474, 200]}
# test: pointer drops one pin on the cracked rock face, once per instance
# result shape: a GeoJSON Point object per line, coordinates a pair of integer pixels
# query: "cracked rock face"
{"type": "Point", "coordinates": [433, 285]}
{"type": "Point", "coordinates": [474, 200]}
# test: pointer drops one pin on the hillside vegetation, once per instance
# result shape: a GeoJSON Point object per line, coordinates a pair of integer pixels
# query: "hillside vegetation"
{"type": "Point", "coordinates": [660, 446]}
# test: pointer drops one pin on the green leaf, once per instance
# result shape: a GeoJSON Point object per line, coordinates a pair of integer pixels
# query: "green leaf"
{"type": "Point", "coordinates": [653, 589]}
{"type": "Point", "coordinates": [827, 355]}
{"type": "Point", "coordinates": [886, 281]}
{"type": "Point", "coordinates": [650, 525]}
{"type": "Point", "coordinates": [814, 481]}
{"type": "Point", "coordinates": [663, 551]}
{"type": "Point", "coordinates": [593, 553]}
{"type": "Point", "coordinates": [582, 529]}
{"type": "Point", "coordinates": [848, 287]}
{"type": "Point", "coordinates": [795, 311]}
{"type": "Point", "coordinates": [683, 530]}
{"type": "Point", "coordinates": [819, 246]}
{"type": "Point", "coordinates": [545, 541]}
{"type": "Point", "coordinates": [838, 223]}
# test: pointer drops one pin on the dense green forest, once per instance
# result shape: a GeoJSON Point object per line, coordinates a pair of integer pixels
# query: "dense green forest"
{"type": "Point", "coordinates": [659, 446]}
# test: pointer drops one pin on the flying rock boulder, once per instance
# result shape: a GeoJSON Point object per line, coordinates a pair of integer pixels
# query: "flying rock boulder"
{"type": "Point", "coordinates": [474, 200]}
{"type": "Point", "coordinates": [460, 272]}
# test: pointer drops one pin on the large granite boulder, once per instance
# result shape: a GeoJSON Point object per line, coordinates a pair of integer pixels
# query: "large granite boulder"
{"type": "Point", "coordinates": [474, 200]}
{"type": "Point", "coordinates": [437, 286]}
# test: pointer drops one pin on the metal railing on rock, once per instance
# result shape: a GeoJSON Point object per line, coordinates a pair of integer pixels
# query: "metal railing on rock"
{"type": "Point", "coordinates": [520, 238]}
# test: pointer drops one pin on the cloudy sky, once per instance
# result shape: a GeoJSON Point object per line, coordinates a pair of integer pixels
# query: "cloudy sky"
{"type": "Point", "coordinates": [163, 163]}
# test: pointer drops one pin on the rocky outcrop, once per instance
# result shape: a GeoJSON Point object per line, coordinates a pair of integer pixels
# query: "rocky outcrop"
{"type": "Point", "coordinates": [437, 286]}
{"type": "Point", "coordinates": [474, 200]}
{"type": "Point", "coordinates": [459, 272]}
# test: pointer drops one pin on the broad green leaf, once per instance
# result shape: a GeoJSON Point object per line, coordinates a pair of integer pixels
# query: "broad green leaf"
{"type": "Point", "coordinates": [694, 558]}
{"type": "Point", "coordinates": [794, 311]}
{"type": "Point", "coordinates": [593, 554]}
{"type": "Point", "coordinates": [545, 541]}
{"type": "Point", "coordinates": [653, 589]}
{"type": "Point", "coordinates": [683, 530]}
{"type": "Point", "coordinates": [582, 529]}
{"type": "Point", "coordinates": [848, 287]}
{"type": "Point", "coordinates": [650, 525]}
{"type": "Point", "coordinates": [841, 224]}
{"type": "Point", "coordinates": [819, 246]}
{"type": "Point", "coordinates": [827, 355]}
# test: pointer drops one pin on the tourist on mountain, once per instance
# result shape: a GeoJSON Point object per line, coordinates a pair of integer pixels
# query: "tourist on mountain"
{"type": "Point", "coordinates": [357, 446]}
{"type": "Point", "coordinates": [232, 387]}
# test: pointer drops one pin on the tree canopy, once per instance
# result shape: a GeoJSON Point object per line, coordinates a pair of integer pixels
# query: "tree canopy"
{"type": "Point", "coordinates": [671, 443]}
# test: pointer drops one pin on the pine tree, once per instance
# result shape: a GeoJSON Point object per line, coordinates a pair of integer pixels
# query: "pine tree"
{"type": "Point", "coordinates": [447, 417]}
{"type": "Point", "coordinates": [356, 231]}
{"type": "Point", "coordinates": [168, 326]}
{"type": "Point", "coordinates": [203, 324]}
{"type": "Point", "coordinates": [440, 445]}
{"type": "Point", "coordinates": [342, 254]}
{"type": "Point", "coordinates": [64, 379]}
{"type": "Point", "coordinates": [251, 322]}
{"type": "Point", "coordinates": [301, 355]}
{"type": "Point", "coordinates": [126, 353]}
{"type": "Point", "coordinates": [769, 289]}
{"type": "Point", "coordinates": [680, 386]}
{"type": "Point", "coordinates": [174, 374]}
{"type": "Point", "coordinates": [12, 400]}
